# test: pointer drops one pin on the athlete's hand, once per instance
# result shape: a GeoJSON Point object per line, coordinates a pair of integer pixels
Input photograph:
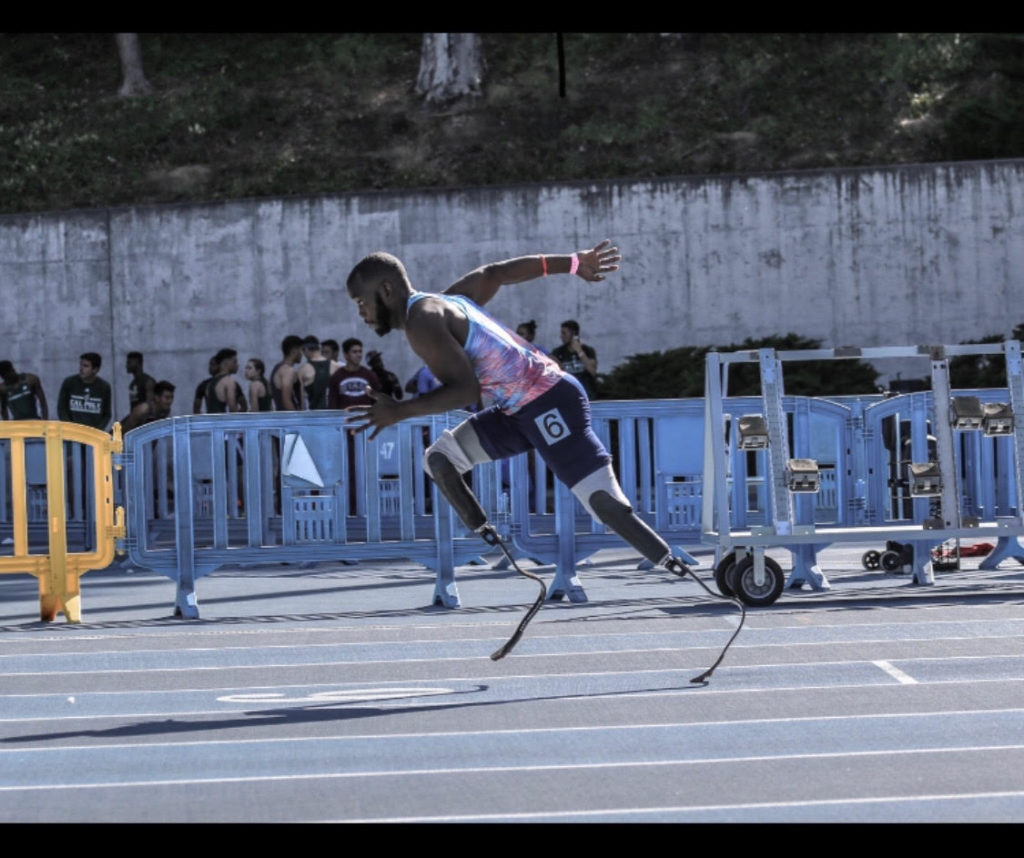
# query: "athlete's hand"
{"type": "Point", "coordinates": [383, 412]}
{"type": "Point", "coordinates": [594, 264]}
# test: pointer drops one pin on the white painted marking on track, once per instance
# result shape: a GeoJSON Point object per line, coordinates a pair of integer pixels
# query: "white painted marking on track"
{"type": "Point", "coordinates": [895, 673]}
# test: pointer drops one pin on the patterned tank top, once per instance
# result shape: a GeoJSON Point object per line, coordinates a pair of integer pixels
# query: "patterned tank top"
{"type": "Point", "coordinates": [511, 371]}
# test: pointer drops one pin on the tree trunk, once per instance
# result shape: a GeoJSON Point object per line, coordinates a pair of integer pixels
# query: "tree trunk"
{"type": "Point", "coordinates": [451, 67]}
{"type": "Point", "coordinates": [134, 78]}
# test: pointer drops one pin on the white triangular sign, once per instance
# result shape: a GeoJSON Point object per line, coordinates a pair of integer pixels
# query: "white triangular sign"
{"type": "Point", "coordinates": [296, 461]}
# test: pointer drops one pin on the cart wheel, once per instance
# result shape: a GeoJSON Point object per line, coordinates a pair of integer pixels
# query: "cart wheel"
{"type": "Point", "coordinates": [892, 561]}
{"type": "Point", "coordinates": [722, 574]}
{"type": "Point", "coordinates": [749, 591]}
{"type": "Point", "coordinates": [871, 560]}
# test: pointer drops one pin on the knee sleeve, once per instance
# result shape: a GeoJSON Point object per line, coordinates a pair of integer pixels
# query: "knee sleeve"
{"type": "Point", "coordinates": [446, 461]}
{"type": "Point", "coordinates": [603, 479]}
{"type": "Point", "coordinates": [451, 449]}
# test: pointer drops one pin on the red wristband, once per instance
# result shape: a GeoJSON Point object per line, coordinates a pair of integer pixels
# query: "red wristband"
{"type": "Point", "coordinates": [575, 264]}
{"type": "Point", "coordinates": [544, 265]}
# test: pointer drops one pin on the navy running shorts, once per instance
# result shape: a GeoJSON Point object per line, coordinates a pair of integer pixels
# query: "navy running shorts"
{"type": "Point", "coordinates": [556, 424]}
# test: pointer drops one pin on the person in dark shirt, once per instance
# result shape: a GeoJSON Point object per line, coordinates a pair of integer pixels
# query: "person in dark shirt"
{"type": "Point", "coordinates": [142, 385]}
{"type": "Point", "coordinates": [285, 386]}
{"type": "Point", "coordinates": [21, 395]}
{"type": "Point", "coordinates": [315, 374]}
{"type": "Point", "coordinates": [224, 393]}
{"type": "Point", "coordinates": [577, 358]}
{"type": "Point", "coordinates": [156, 408]}
{"type": "Point", "coordinates": [389, 382]}
{"type": "Point", "coordinates": [85, 398]}
{"type": "Point", "coordinates": [260, 397]}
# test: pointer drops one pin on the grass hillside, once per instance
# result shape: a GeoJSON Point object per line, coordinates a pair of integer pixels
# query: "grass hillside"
{"type": "Point", "coordinates": [251, 115]}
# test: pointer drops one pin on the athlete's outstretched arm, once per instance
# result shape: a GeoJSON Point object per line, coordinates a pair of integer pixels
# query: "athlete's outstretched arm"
{"type": "Point", "coordinates": [483, 283]}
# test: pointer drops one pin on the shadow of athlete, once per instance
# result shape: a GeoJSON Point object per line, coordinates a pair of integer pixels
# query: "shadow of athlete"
{"type": "Point", "coordinates": [528, 402]}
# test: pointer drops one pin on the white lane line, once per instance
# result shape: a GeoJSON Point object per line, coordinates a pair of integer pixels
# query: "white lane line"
{"type": "Point", "coordinates": [895, 673]}
{"type": "Point", "coordinates": [572, 698]}
{"type": "Point", "coordinates": [922, 632]}
{"type": "Point", "coordinates": [558, 767]}
{"type": "Point", "coordinates": [520, 656]}
{"type": "Point", "coordinates": [702, 808]}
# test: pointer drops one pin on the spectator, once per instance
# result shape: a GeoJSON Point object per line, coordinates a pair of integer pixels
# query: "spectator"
{"type": "Point", "coordinates": [85, 398]}
{"type": "Point", "coordinates": [330, 350]}
{"type": "Point", "coordinates": [315, 374]}
{"type": "Point", "coordinates": [422, 381]}
{"type": "Point", "coordinates": [223, 392]}
{"type": "Point", "coordinates": [389, 382]}
{"type": "Point", "coordinates": [156, 408]}
{"type": "Point", "coordinates": [21, 395]}
{"type": "Point", "coordinates": [285, 385]}
{"type": "Point", "coordinates": [142, 385]}
{"type": "Point", "coordinates": [349, 386]}
{"type": "Point", "coordinates": [577, 358]}
{"type": "Point", "coordinates": [199, 400]}
{"type": "Point", "coordinates": [349, 383]}
{"type": "Point", "coordinates": [260, 398]}
{"type": "Point", "coordinates": [528, 331]}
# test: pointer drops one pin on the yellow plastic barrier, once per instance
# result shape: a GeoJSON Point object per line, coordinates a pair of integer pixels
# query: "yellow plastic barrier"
{"type": "Point", "coordinates": [59, 570]}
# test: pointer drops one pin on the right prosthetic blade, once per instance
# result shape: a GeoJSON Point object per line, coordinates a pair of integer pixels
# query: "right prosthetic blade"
{"type": "Point", "coordinates": [621, 518]}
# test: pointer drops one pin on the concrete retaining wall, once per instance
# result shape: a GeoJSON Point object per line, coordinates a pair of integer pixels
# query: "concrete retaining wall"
{"type": "Point", "coordinates": [871, 256]}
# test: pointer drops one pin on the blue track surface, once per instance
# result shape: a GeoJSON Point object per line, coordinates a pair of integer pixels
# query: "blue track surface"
{"type": "Point", "coordinates": [341, 694]}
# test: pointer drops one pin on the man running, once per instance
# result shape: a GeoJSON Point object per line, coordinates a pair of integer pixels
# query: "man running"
{"type": "Point", "coordinates": [528, 401]}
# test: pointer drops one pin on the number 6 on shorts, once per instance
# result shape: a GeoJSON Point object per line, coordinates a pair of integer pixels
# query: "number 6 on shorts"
{"type": "Point", "coordinates": [552, 426]}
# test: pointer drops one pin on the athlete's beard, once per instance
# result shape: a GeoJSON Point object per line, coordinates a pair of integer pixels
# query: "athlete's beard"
{"type": "Point", "coordinates": [383, 314]}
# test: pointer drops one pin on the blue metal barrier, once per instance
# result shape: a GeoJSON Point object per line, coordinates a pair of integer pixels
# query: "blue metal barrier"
{"type": "Point", "coordinates": [207, 491]}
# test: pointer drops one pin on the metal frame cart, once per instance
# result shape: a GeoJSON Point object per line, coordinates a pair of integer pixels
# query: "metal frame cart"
{"type": "Point", "coordinates": [743, 570]}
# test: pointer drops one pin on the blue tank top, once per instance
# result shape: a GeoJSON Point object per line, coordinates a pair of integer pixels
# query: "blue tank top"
{"type": "Point", "coordinates": [511, 371]}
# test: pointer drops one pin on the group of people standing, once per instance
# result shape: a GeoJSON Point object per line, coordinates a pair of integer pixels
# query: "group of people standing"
{"type": "Point", "coordinates": [85, 397]}
{"type": "Point", "coordinates": [309, 376]}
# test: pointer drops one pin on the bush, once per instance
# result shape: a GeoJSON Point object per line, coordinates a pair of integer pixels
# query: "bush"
{"type": "Point", "coordinates": [680, 373]}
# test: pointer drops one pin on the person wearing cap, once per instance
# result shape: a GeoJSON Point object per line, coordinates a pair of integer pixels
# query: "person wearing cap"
{"type": "Point", "coordinates": [314, 373]}
{"type": "Point", "coordinates": [389, 382]}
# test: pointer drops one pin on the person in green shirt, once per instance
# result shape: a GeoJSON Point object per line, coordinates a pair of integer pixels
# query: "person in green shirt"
{"type": "Point", "coordinates": [85, 398]}
{"type": "Point", "coordinates": [21, 395]}
{"type": "Point", "coordinates": [142, 386]}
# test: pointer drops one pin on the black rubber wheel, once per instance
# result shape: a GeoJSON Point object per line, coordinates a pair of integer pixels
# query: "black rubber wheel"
{"type": "Point", "coordinates": [749, 591]}
{"type": "Point", "coordinates": [722, 573]}
{"type": "Point", "coordinates": [892, 561]}
{"type": "Point", "coordinates": [871, 560]}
